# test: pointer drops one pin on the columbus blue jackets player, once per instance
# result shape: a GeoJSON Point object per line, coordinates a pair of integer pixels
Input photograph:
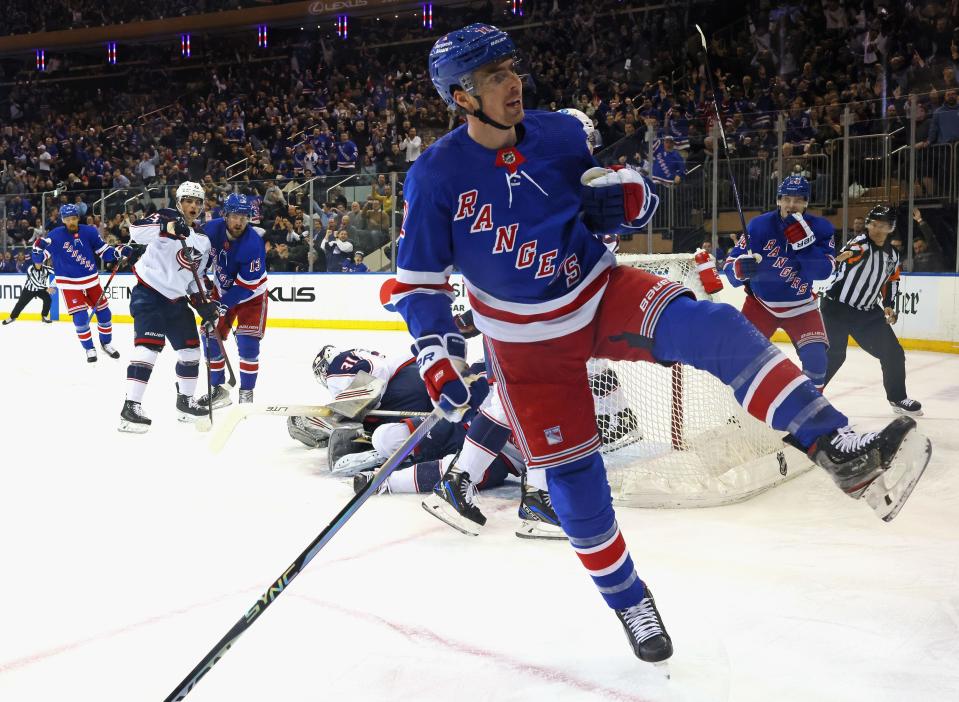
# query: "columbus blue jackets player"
{"type": "Point", "coordinates": [165, 272]}
{"type": "Point", "coordinates": [238, 256]}
{"type": "Point", "coordinates": [795, 249]}
{"type": "Point", "coordinates": [501, 197]}
{"type": "Point", "coordinates": [72, 249]}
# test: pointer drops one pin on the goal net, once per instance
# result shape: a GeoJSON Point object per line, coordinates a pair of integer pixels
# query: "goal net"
{"type": "Point", "coordinates": [676, 437]}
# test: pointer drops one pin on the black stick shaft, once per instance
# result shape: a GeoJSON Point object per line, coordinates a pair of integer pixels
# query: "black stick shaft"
{"type": "Point", "coordinates": [722, 133]}
{"type": "Point", "coordinates": [281, 583]}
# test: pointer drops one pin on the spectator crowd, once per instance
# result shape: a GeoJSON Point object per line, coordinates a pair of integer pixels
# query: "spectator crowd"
{"type": "Point", "coordinates": [318, 106]}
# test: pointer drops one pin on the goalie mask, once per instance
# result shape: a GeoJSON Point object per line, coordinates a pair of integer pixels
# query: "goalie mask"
{"type": "Point", "coordinates": [321, 364]}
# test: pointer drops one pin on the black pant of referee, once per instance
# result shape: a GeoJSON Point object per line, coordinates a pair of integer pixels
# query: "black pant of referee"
{"type": "Point", "coordinates": [873, 334]}
{"type": "Point", "coordinates": [26, 296]}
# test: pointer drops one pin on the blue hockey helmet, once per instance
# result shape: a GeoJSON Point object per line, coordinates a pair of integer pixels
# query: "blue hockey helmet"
{"type": "Point", "coordinates": [238, 204]}
{"type": "Point", "coordinates": [456, 55]}
{"type": "Point", "coordinates": [69, 210]}
{"type": "Point", "coordinates": [794, 186]}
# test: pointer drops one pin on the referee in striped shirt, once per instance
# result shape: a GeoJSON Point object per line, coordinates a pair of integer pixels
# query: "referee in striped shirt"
{"type": "Point", "coordinates": [36, 286]}
{"type": "Point", "coordinates": [859, 303]}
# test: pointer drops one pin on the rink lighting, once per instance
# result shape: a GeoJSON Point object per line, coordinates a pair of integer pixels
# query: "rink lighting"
{"type": "Point", "coordinates": [185, 45]}
{"type": "Point", "coordinates": [112, 53]}
{"type": "Point", "coordinates": [516, 6]}
{"type": "Point", "coordinates": [342, 26]}
{"type": "Point", "coordinates": [428, 15]}
{"type": "Point", "coordinates": [261, 36]}
{"type": "Point", "coordinates": [41, 60]}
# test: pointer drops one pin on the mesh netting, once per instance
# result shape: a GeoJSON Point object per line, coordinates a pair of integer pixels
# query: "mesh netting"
{"type": "Point", "coordinates": [676, 437]}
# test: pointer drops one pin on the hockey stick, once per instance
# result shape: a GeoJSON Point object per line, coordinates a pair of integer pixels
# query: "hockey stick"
{"type": "Point", "coordinates": [281, 583]}
{"type": "Point", "coordinates": [103, 293]}
{"type": "Point", "coordinates": [722, 134]}
{"type": "Point", "coordinates": [229, 421]}
{"type": "Point", "coordinates": [201, 293]}
{"type": "Point", "coordinates": [209, 376]}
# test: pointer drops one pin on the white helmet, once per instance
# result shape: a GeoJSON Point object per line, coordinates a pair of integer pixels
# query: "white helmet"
{"type": "Point", "coordinates": [190, 189]}
{"type": "Point", "coordinates": [321, 364]}
{"type": "Point", "coordinates": [587, 123]}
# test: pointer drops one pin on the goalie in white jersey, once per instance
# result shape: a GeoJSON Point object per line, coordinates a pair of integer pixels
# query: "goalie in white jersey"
{"type": "Point", "coordinates": [167, 275]}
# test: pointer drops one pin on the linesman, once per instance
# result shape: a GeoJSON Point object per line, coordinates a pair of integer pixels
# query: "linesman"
{"type": "Point", "coordinates": [859, 302]}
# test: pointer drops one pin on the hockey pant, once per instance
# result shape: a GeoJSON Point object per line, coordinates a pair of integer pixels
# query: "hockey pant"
{"type": "Point", "coordinates": [157, 319]}
{"type": "Point", "coordinates": [874, 335]}
{"type": "Point", "coordinates": [806, 330]}
{"type": "Point", "coordinates": [546, 394]}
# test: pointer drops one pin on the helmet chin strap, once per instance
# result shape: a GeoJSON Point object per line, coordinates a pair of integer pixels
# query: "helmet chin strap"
{"type": "Point", "coordinates": [482, 116]}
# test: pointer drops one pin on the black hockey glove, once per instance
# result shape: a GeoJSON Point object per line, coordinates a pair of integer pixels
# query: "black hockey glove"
{"type": "Point", "coordinates": [209, 312]}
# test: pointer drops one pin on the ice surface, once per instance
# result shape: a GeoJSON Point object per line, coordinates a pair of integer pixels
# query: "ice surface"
{"type": "Point", "coordinates": [125, 558]}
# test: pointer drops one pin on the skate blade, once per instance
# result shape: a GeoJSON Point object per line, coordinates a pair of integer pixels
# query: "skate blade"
{"type": "Point", "coordinates": [442, 510]}
{"type": "Point", "coordinates": [190, 418]}
{"type": "Point", "coordinates": [132, 428]}
{"type": "Point", "coordinates": [203, 424]}
{"type": "Point", "coordinates": [907, 413]}
{"type": "Point", "coordinates": [539, 530]}
{"type": "Point", "coordinates": [889, 492]}
{"type": "Point", "coordinates": [663, 668]}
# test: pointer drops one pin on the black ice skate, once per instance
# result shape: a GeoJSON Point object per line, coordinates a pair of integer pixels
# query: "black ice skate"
{"type": "Point", "coordinates": [91, 355]}
{"type": "Point", "coordinates": [883, 466]}
{"type": "Point", "coordinates": [908, 407]}
{"type": "Point", "coordinates": [453, 502]}
{"type": "Point", "coordinates": [539, 518]}
{"type": "Point", "coordinates": [246, 397]}
{"type": "Point", "coordinates": [45, 320]}
{"type": "Point", "coordinates": [361, 480]}
{"type": "Point", "coordinates": [110, 351]}
{"type": "Point", "coordinates": [187, 408]}
{"type": "Point", "coordinates": [616, 427]}
{"type": "Point", "coordinates": [132, 419]}
{"type": "Point", "coordinates": [645, 630]}
{"type": "Point", "coordinates": [221, 398]}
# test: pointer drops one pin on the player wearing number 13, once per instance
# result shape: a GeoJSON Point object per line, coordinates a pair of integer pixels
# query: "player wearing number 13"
{"type": "Point", "coordinates": [513, 198]}
{"type": "Point", "coordinates": [239, 279]}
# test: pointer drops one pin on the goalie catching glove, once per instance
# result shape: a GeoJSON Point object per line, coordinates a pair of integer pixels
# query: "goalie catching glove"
{"type": "Point", "coordinates": [441, 360]}
{"type": "Point", "coordinates": [616, 198]}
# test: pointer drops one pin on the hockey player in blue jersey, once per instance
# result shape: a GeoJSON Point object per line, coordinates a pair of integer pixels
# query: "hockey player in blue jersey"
{"type": "Point", "coordinates": [238, 256]}
{"type": "Point", "coordinates": [794, 250]}
{"type": "Point", "coordinates": [72, 249]}
{"type": "Point", "coordinates": [512, 199]}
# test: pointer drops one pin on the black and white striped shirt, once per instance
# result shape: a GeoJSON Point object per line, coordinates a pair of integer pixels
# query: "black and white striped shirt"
{"type": "Point", "coordinates": [37, 278]}
{"type": "Point", "coordinates": [869, 277]}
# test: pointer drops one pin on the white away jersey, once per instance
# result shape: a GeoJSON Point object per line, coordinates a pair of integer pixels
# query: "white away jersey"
{"type": "Point", "coordinates": [165, 266]}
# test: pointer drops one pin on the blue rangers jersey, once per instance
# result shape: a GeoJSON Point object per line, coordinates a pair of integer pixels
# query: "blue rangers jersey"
{"type": "Point", "coordinates": [73, 256]}
{"type": "Point", "coordinates": [509, 220]}
{"type": "Point", "coordinates": [783, 281]}
{"type": "Point", "coordinates": [239, 266]}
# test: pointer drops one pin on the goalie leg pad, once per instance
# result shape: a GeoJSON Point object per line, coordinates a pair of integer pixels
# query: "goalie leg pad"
{"type": "Point", "coordinates": [310, 431]}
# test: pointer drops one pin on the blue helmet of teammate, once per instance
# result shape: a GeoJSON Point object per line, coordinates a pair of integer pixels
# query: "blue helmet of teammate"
{"type": "Point", "coordinates": [69, 211]}
{"type": "Point", "coordinates": [794, 186]}
{"type": "Point", "coordinates": [238, 204]}
{"type": "Point", "coordinates": [455, 56]}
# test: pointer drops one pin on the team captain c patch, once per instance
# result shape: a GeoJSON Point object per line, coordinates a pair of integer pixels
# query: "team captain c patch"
{"type": "Point", "coordinates": [553, 436]}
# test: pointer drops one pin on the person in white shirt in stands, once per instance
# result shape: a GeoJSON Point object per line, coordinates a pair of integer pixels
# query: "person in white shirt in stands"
{"type": "Point", "coordinates": [412, 145]}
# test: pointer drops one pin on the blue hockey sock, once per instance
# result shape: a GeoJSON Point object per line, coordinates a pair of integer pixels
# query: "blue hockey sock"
{"type": "Point", "coordinates": [217, 362]}
{"type": "Point", "coordinates": [105, 325]}
{"type": "Point", "coordinates": [581, 497]}
{"type": "Point", "coordinates": [716, 338]}
{"type": "Point", "coordinates": [81, 322]}
{"type": "Point", "coordinates": [813, 358]}
{"type": "Point", "coordinates": [249, 351]}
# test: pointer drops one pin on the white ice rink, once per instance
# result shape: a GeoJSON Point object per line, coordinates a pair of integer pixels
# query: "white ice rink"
{"type": "Point", "coordinates": [125, 558]}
